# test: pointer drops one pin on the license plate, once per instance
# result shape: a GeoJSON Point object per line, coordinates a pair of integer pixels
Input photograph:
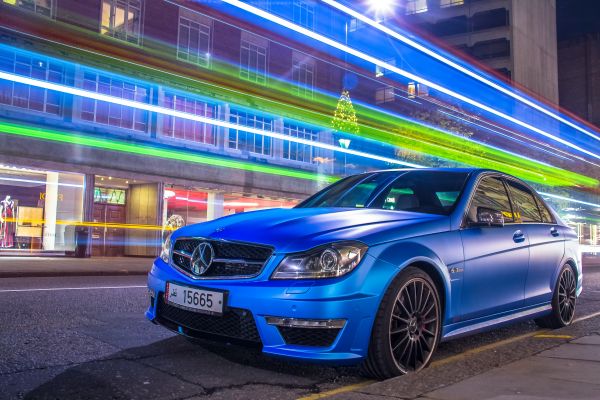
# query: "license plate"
{"type": "Point", "coordinates": [194, 299]}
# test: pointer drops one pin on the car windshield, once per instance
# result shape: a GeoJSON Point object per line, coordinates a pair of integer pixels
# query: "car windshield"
{"type": "Point", "coordinates": [432, 192]}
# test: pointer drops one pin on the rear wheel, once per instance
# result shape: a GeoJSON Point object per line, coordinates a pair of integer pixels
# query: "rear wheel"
{"type": "Point", "coordinates": [407, 327]}
{"type": "Point", "coordinates": [563, 301]}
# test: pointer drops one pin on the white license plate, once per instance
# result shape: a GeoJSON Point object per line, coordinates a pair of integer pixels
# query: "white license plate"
{"type": "Point", "coordinates": [193, 299]}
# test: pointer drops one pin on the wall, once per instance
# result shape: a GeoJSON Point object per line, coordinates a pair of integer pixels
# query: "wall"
{"type": "Point", "coordinates": [534, 47]}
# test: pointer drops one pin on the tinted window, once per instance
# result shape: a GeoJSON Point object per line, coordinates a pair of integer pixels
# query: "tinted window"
{"type": "Point", "coordinates": [546, 214]}
{"type": "Point", "coordinates": [433, 192]}
{"type": "Point", "coordinates": [491, 193]}
{"type": "Point", "coordinates": [525, 203]}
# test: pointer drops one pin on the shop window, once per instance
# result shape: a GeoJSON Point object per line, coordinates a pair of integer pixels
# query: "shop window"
{"type": "Point", "coordinates": [248, 141]}
{"type": "Point", "coordinates": [253, 62]}
{"type": "Point", "coordinates": [40, 210]}
{"type": "Point", "coordinates": [304, 14]}
{"type": "Point", "coordinates": [194, 42]}
{"type": "Point", "coordinates": [298, 151]}
{"type": "Point", "coordinates": [122, 19]}
{"type": "Point", "coordinates": [416, 6]}
{"type": "Point", "coordinates": [186, 129]}
{"type": "Point", "coordinates": [27, 96]}
{"type": "Point", "coordinates": [117, 115]}
{"type": "Point", "coordinates": [303, 76]}
{"type": "Point", "coordinates": [411, 90]}
{"type": "Point", "coordinates": [43, 7]}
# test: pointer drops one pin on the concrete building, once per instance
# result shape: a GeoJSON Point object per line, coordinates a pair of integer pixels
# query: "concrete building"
{"type": "Point", "coordinates": [515, 38]}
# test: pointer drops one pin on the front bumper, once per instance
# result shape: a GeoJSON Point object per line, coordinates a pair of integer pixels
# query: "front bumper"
{"type": "Point", "coordinates": [354, 298]}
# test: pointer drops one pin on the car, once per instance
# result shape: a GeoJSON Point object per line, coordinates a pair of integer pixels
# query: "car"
{"type": "Point", "coordinates": [376, 269]}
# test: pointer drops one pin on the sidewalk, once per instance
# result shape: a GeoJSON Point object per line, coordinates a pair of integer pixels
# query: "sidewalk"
{"type": "Point", "coordinates": [11, 267]}
{"type": "Point", "coordinates": [569, 371]}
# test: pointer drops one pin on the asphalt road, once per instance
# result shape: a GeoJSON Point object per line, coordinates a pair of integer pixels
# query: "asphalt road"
{"type": "Point", "coordinates": [87, 338]}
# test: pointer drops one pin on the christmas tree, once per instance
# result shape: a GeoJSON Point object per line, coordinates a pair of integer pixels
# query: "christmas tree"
{"type": "Point", "coordinates": [344, 118]}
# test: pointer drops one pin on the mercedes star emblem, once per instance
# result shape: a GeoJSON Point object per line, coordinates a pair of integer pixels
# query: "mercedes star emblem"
{"type": "Point", "coordinates": [202, 257]}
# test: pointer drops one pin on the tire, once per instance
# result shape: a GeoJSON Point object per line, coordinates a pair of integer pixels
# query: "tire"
{"type": "Point", "coordinates": [407, 327]}
{"type": "Point", "coordinates": [563, 301]}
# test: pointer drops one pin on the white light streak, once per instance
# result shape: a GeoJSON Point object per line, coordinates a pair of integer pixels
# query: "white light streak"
{"type": "Point", "coordinates": [180, 114]}
{"type": "Point", "coordinates": [454, 65]}
{"type": "Point", "coordinates": [330, 42]}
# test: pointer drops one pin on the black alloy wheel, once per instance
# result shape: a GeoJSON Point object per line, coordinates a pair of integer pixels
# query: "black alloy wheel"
{"type": "Point", "coordinates": [563, 301]}
{"type": "Point", "coordinates": [407, 328]}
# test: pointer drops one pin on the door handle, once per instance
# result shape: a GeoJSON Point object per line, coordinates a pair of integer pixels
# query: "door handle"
{"type": "Point", "coordinates": [518, 236]}
{"type": "Point", "coordinates": [554, 231]}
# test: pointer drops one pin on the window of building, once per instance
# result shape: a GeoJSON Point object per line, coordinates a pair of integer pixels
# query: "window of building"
{"type": "Point", "coordinates": [27, 96]}
{"type": "Point", "coordinates": [247, 141]}
{"type": "Point", "coordinates": [43, 7]}
{"type": "Point", "coordinates": [186, 129]}
{"type": "Point", "coordinates": [194, 42]}
{"type": "Point", "coordinates": [490, 19]}
{"type": "Point", "coordinates": [303, 76]}
{"type": "Point", "coordinates": [354, 25]}
{"type": "Point", "coordinates": [491, 49]}
{"type": "Point", "coordinates": [411, 90]}
{"type": "Point", "coordinates": [416, 6]}
{"type": "Point", "coordinates": [451, 26]}
{"type": "Point", "coordinates": [122, 19]}
{"type": "Point", "coordinates": [380, 71]}
{"type": "Point", "coordinates": [385, 94]}
{"type": "Point", "coordinates": [253, 62]}
{"type": "Point", "coordinates": [451, 3]}
{"type": "Point", "coordinates": [298, 151]}
{"type": "Point", "coordinates": [102, 112]}
{"type": "Point", "coordinates": [304, 14]}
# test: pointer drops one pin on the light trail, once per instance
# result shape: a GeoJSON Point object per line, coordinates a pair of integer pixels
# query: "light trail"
{"type": "Point", "coordinates": [330, 42]}
{"type": "Point", "coordinates": [454, 65]}
{"type": "Point", "coordinates": [180, 114]}
{"type": "Point", "coordinates": [555, 196]}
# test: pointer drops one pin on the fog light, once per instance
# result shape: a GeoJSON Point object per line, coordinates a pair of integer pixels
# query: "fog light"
{"type": "Point", "coordinates": [307, 323]}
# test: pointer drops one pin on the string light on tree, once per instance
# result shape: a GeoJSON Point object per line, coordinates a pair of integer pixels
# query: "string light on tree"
{"type": "Point", "coordinates": [344, 118]}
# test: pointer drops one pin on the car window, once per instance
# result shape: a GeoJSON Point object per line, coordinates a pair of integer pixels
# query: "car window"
{"type": "Point", "coordinates": [491, 193]}
{"type": "Point", "coordinates": [434, 192]}
{"type": "Point", "coordinates": [358, 196]}
{"type": "Point", "coordinates": [546, 214]}
{"type": "Point", "coordinates": [527, 209]}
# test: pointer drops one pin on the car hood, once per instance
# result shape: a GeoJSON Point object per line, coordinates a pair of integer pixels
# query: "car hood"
{"type": "Point", "coordinates": [297, 229]}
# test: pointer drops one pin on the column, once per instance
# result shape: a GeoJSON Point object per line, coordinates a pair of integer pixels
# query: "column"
{"type": "Point", "coordinates": [50, 206]}
{"type": "Point", "coordinates": [215, 205]}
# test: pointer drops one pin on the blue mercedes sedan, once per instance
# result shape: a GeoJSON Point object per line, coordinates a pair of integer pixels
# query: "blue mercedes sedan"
{"type": "Point", "coordinates": [377, 269]}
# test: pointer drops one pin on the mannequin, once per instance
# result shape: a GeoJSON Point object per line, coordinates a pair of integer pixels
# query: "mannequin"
{"type": "Point", "coordinates": [7, 224]}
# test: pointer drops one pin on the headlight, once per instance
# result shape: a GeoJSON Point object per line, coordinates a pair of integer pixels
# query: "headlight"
{"type": "Point", "coordinates": [328, 261]}
{"type": "Point", "coordinates": [165, 253]}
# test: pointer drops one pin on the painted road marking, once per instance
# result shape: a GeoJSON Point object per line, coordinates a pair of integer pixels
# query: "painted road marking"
{"type": "Point", "coordinates": [72, 288]}
{"type": "Point", "coordinates": [343, 389]}
{"type": "Point", "coordinates": [447, 360]}
{"type": "Point", "coordinates": [547, 336]}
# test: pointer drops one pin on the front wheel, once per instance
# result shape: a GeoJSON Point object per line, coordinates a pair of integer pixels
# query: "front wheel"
{"type": "Point", "coordinates": [563, 301]}
{"type": "Point", "coordinates": [407, 327]}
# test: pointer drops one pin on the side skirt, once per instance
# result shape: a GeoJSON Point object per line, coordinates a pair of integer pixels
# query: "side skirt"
{"type": "Point", "coordinates": [474, 327]}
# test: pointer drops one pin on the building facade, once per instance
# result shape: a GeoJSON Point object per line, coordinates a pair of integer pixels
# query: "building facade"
{"type": "Point", "coordinates": [516, 39]}
{"type": "Point", "coordinates": [169, 113]}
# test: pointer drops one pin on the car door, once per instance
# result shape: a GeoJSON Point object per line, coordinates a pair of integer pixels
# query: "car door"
{"type": "Point", "coordinates": [496, 258]}
{"type": "Point", "coordinates": [546, 242]}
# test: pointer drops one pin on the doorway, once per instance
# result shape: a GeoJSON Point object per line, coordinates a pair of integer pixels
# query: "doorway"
{"type": "Point", "coordinates": [107, 239]}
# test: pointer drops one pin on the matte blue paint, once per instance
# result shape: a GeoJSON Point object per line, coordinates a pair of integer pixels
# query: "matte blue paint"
{"type": "Point", "coordinates": [488, 278]}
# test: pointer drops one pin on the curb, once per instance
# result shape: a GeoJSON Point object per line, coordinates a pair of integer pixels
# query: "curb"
{"type": "Point", "coordinates": [49, 274]}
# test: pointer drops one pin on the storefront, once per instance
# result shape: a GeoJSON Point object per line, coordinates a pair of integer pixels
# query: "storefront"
{"type": "Point", "coordinates": [39, 210]}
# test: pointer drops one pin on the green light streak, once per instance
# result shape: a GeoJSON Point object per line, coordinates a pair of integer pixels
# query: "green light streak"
{"type": "Point", "coordinates": [221, 82]}
{"type": "Point", "coordinates": [134, 148]}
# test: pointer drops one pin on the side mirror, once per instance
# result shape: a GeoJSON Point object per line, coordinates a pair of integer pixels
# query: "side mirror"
{"type": "Point", "coordinates": [489, 217]}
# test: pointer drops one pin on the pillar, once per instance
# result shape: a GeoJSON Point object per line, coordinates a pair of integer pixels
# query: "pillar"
{"type": "Point", "coordinates": [50, 207]}
{"type": "Point", "coordinates": [215, 205]}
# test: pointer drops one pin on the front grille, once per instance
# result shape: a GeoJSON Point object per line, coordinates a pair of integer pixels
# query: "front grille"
{"type": "Point", "coordinates": [230, 259]}
{"type": "Point", "coordinates": [235, 323]}
{"type": "Point", "coordinates": [316, 337]}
